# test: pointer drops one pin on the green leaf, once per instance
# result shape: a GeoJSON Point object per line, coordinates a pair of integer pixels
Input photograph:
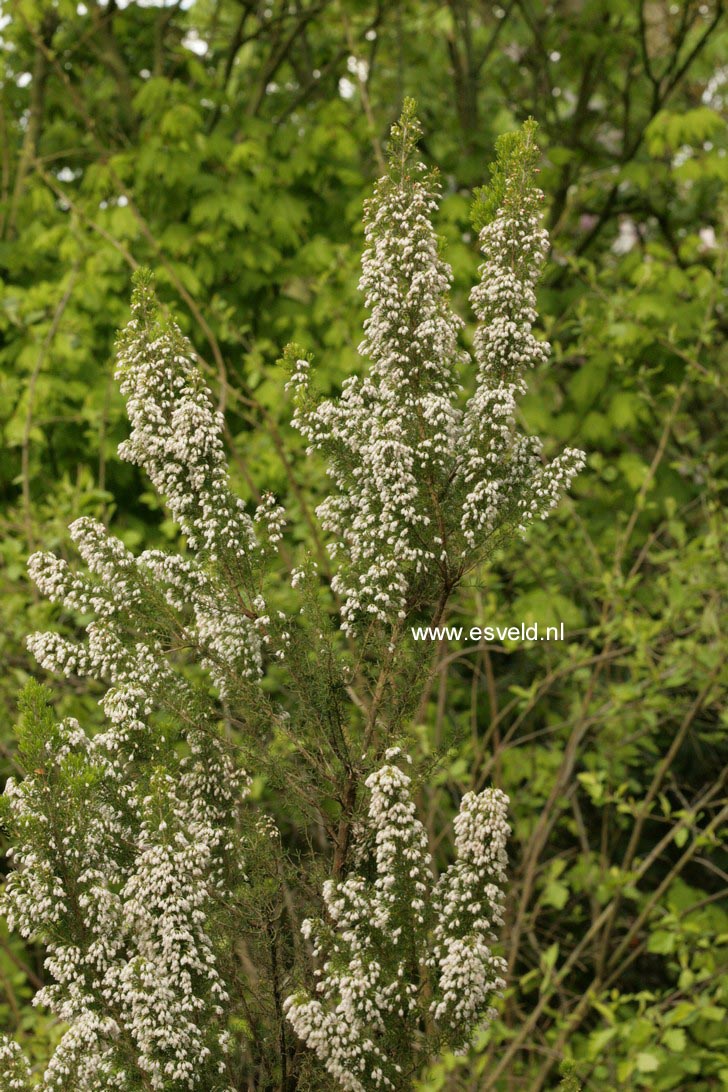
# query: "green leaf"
{"type": "Point", "coordinates": [549, 957]}
{"type": "Point", "coordinates": [675, 1039]}
{"type": "Point", "coordinates": [661, 942]}
{"type": "Point", "coordinates": [555, 894]}
{"type": "Point", "coordinates": [647, 1063]}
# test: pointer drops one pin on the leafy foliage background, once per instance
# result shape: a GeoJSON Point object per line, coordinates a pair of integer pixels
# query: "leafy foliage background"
{"type": "Point", "coordinates": [230, 146]}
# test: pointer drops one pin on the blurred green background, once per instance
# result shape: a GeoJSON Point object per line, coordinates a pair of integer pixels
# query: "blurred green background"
{"type": "Point", "coordinates": [229, 145]}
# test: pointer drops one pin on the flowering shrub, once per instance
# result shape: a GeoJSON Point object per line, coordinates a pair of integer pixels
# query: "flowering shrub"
{"type": "Point", "coordinates": [190, 943]}
{"type": "Point", "coordinates": [373, 1006]}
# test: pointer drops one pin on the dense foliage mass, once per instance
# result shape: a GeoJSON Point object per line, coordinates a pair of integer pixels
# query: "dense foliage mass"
{"type": "Point", "coordinates": [230, 147]}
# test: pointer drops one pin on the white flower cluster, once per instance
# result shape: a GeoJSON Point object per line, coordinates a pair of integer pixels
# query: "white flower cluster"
{"type": "Point", "coordinates": [170, 988]}
{"type": "Point", "coordinates": [123, 839]}
{"type": "Point", "coordinates": [366, 984]}
{"type": "Point", "coordinates": [215, 597]}
{"type": "Point", "coordinates": [390, 947]}
{"type": "Point", "coordinates": [502, 472]}
{"type": "Point", "coordinates": [390, 436]}
{"type": "Point", "coordinates": [467, 903]}
{"type": "Point", "coordinates": [422, 483]}
{"type": "Point", "coordinates": [272, 518]}
{"type": "Point", "coordinates": [176, 434]}
{"type": "Point", "coordinates": [14, 1069]}
{"type": "Point", "coordinates": [117, 875]}
{"type": "Point", "coordinates": [226, 636]}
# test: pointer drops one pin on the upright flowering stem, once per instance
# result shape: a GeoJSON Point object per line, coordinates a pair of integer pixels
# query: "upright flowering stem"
{"type": "Point", "coordinates": [403, 958]}
{"type": "Point", "coordinates": [425, 481]}
{"type": "Point", "coordinates": [389, 437]}
{"type": "Point", "coordinates": [428, 482]}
